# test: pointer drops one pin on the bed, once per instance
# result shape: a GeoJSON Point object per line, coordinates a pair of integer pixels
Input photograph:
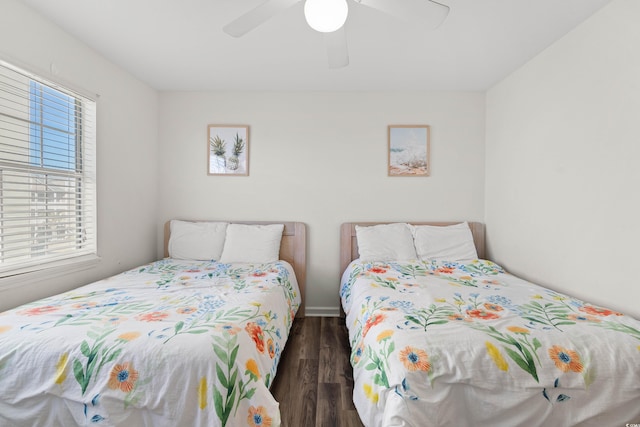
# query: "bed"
{"type": "Point", "coordinates": [461, 342]}
{"type": "Point", "coordinates": [177, 342]}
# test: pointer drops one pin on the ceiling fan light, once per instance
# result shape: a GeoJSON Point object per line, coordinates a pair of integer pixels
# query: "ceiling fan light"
{"type": "Point", "coordinates": [326, 16]}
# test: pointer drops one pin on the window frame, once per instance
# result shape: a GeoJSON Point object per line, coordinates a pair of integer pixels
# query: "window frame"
{"type": "Point", "coordinates": [82, 192]}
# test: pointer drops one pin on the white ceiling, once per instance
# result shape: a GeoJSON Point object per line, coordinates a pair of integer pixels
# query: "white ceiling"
{"type": "Point", "coordinates": [179, 44]}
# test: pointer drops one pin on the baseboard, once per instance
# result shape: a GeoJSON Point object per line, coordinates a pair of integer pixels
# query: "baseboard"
{"type": "Point", "coordinates": [322, 311]}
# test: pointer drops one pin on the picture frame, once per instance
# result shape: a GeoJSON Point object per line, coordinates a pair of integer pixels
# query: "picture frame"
{"type": "Point", "coordinates": [409, 150]}
{"type": "Point", "coordinates": [228, 150]}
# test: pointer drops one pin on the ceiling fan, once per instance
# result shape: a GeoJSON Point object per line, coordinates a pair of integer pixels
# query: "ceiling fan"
{"type": "Point", "coordinates": [329, 16]}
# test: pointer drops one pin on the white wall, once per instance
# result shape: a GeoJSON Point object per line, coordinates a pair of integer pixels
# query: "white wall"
{"type": "Point", "coordinates": [321, 158]}
{"type": "Point", "coordinates": [126, 146]}
{"type": "Point", "coordinates": [561, 181]}
{"type": "Point", "coordinates": [562, 152]}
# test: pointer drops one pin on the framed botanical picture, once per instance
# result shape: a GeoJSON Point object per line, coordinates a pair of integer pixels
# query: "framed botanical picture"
{"type": "Point", "coordinates": [409, 150]}
{"type": "Point", "coordinates": [228, 150]}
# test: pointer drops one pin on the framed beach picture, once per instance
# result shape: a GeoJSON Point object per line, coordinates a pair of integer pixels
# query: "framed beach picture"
{"type": "Point", "coordinates": [409, 150]}
{"type": "Point", "coordinates": [228, 150]}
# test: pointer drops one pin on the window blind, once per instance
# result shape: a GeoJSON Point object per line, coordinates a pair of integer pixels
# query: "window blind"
{"type": "Point", "coordinates": [47, 172]}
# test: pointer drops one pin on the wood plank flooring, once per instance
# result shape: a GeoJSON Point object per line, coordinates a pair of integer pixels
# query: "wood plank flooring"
{"type": "Point", "coordinates": [314, 383]}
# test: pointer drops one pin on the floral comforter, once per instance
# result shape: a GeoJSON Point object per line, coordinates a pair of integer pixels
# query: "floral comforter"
{"type": "Point", "coordinates": [446, 344]}
{"type": "Point", "coordinates": [173, 343]}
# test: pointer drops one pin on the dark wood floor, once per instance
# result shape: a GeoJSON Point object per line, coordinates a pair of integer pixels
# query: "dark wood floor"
{"type": "Point", "coordinates": [314, 383]}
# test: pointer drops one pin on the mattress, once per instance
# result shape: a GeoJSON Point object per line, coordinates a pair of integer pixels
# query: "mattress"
{"type": "Point", "coordinates": [171, 343]}
{"type": "Point", "coordinates": [437, 343]}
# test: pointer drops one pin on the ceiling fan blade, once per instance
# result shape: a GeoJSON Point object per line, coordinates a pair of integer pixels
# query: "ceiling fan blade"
{"type": "Point", "coordinates": [429, 13]}
{"type": "Point", "coordinates": [257, 16]}
{"type": "Point", "coordinates": [337, 52]}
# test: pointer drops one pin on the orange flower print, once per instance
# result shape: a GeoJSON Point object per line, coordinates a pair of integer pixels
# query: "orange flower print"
{"type": "Point", "coordinates": [152, 317]}
{"type": "Point", "coordinates": [415, 359]}
{"type": "Point", "coordinates": [115, 320]}
{"type": "Point", "coordinates": [271, 348]}
{"type": "Point", "coordinates": [123, 377]}
{"type": "Point", "coordinates": [35, 311]}
{"type": "Point", "coordinates": [459, 318]}
{"type": "Point", "coordinates": [357, 354]}
{"type": "Point", "coordinates": [84, 305]}
{"type": "Point", "coordinates": [583, 318]}
{"type": "Point", "coordinates": [228, 328]}
{"type": "Point", "coordinates": [598, 311]}
{"type": "Point", "coordinates": [377, 270]}
{"type": "Point", "coordinates": [384, 335]}
{"type": "Point", "coordinates": [565, 360]}
{"type": "Point", "coordinates": [128, 336]}
{"type": "Point", "coordinates": [255, 332]}
{"type": "Point", "coordinates": [186, 310]}
{"type": "Point", "coordinates": [482, 314]}
{"type": "Point", "coordinates": [259, 274]}
{"type": "Point", "coordinates": [445, 270]}
{"type": "Point", "coordinates": [258, 417]}
{"type": "Point", "coordinates": [371, 322]}
{"type": "Point", "coordinates": [4, 328]}
{"type": "Point", "coordinates": [252, 369]}
{"type": "Point", "coordinates": [492, 307]}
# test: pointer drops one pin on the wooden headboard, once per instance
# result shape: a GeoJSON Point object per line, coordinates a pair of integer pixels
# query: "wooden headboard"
{"type": "Point", "coordinates": [293, 249]}
{"type": "Point", "coordinates": [349, 242]}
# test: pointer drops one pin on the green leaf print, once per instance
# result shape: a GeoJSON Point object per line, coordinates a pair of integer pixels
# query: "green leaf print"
{"type": "Point", "coordinates": [522, 351]}
{"type": "Point", "coordinates": [434, 315]}
{"type": "Point", "coordinates": [97, 355]}
{"type": "Point", "coordinates": [526, 365]}
{"type": "Point", "coordinates": [178, 326]}
{"type": "Point", "coordinates": [484, 268]}
{"type": "Point", "coordinates": [414, 270]}
{"type": "Point", "coordinates": [221, 377]}
{"type": "Point", "coordinates": [549, 314]}
{"type": "Point", "coordinates": [205, 323]}
{"type": "Point", "coordinates": [101, 314]}
{"type": "Point", "coordinates": [224, 351]}
{"type": "Point", "coordinates": [620, 327]}
{"type": "Point", "coordinates": [379, 361]}
{"type": "Point", "coordinates": [234, 387]}
{"type": "Point", "coordinates": [386, 282]}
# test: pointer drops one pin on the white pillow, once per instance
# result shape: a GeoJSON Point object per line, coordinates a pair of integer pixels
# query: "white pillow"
{"type": "Point", "coordinates": [252, 243]}
{"type": "Point", "coordinates": [450, 243]}
{"type": "Point", "coordinates": [196, 240]}
{"type": "Point", "coordinates": [385, 242]}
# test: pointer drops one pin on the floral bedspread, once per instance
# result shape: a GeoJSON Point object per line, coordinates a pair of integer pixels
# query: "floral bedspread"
{"type": "Point", "coordinates": [446, 344]}
{"type": "Point", "coordinates": [172, 343]}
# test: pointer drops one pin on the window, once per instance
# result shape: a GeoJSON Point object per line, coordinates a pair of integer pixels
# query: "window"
{"type": "Point", "coordinates": [47, 173]}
